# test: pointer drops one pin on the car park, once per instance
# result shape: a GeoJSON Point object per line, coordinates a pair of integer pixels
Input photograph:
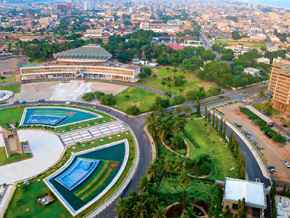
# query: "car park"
{"type": "Point", "coordinates": [286, 163]}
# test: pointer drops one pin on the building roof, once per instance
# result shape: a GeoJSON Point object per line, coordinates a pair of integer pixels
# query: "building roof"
{"type": "Point", "coordinates": [263, 59]}
{"type": "Point", "coordinates": [253, 192]}
{"type": "Point", "coordinates": [175, 47]}
{"type": "Point", "coordinates": [90, 51]}
{"type": "Point", "coordinates": [259, 114]}
{"type": "Point", "coordinates": [253, 70]}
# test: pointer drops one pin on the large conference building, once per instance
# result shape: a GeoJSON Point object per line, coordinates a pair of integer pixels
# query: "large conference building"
{"type": "Point", "coordinates": [87, 62]}
{"type": "Point", "coordinates": [280, 85]}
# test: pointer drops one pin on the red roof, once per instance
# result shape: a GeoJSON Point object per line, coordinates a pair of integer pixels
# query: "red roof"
{"type": "Point", "coordinates": [175, 47]}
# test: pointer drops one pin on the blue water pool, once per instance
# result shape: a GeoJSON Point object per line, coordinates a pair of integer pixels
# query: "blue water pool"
{"type": "Point", "coordinates": [77, 173]}
{"type": "Point", "coordinates": [55, 116]}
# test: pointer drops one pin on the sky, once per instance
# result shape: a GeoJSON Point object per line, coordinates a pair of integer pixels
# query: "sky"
{"type": "Point", "coordinates": [275, 3]}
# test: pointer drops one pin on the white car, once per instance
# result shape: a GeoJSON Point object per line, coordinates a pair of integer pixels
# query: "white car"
{"type": "Point", "coordinates": [286, 163]}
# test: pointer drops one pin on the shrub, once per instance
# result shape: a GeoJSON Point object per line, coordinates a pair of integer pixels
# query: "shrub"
{"type": "Point", "coordinates": [206, 168]}
{"type": "Point", "coordinates": [88, 96]}
{"type": "Point", "coordinates": [133, 110]}
{"type": "Point", "coordinates": [108, 99]}
{"type": "Point", "coordinates": [98, 95]}
{"type": "Point", "coordinates": [179, 99]}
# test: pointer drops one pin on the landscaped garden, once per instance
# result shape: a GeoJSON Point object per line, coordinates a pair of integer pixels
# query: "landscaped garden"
{"type": "Point", "coordinates": [25, 195]}
{"type": "Point", "coordinates": [266, 108]}
{"type": "Point", "coordinates": [13, 158]}
{"type": "Point", "coordinates": [191, 81]}
{"type": "Point", "coordinates": [210, 143]}
{"type": "Point", "coordinates": [141, 98]}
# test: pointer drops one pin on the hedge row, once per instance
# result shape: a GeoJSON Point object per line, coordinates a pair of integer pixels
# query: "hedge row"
{"type": "Point", "coordinates": [263, 125]}
{"type": "Point", "coordinates": [191, 139]}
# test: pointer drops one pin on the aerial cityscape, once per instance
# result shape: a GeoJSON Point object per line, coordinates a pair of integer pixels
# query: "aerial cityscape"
{"type": "Point", "coordinates": [150, 109]}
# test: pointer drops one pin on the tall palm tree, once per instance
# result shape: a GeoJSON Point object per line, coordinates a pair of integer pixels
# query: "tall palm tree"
{"type": "Point", "coordinates": [152, 172]}
{"type": "Point", "coordinates": [139, 210]}
{"type": "Point", "coordinates": [3, 78]}
{"type": "Point", "coordinates": [183, 178]}
{"type": "Point", "coordinates": [169, 79]}
{"type": "Point", "coordinates": [167, 68]}
{"type": "Point", "coordinates": [174, 71]}
{"type": "Point", "coordinates": [145, 185]}
{"type": "Point", "coordinates": [169, 85]}
{"type": "Point", "coordinates": [181, 90]}
{"type": "Point", "coordinates": [159, 212]}
{"type": "Point", "coordinates": [163, 83]}
{"type": "Point", "coordinates": [122, 208]}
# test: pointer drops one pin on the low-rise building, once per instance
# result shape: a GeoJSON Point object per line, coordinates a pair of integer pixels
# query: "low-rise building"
{"type": "Point", "coordinates": [253, 192]}
{"type": "Point", "coordinates": [263, 60]}
{"type": "Point", "coordinates": [252, 71]}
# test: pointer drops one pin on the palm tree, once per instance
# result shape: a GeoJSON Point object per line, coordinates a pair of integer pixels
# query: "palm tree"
{"type": "Point", "coordinates": [159, 212]}
{"type": "Point", "coordinates": [139, 210]}
{"type": "Point", "coordinates": [183, 178]}
{"type": "Point", "coordinates": [261, 94]}
{"type": "Point", "coordinates": [152, 172]}
{"type": "Point", "coordinates": [145, 185]}
{"type": "Point", "coordinates": [180, 90]}
{"type": "Point", "coordinates": [3, 78]}
{"type": "Point", "coordinates": [169, 85]}
{"type": "Point", "coordinates": [167, 68]}
{"type": "Point", "coordinates": [163, 83]}
{"type": "Point", "coordinates": [169, 79]}
{"type": "Point", "coordinates": [174, 71]}
{"type": "Point", "coordinates": [122, 208]}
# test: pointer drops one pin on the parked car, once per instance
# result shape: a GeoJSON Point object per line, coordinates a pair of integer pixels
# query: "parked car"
{"type": "Point", "coordinates": [257, 180]}
{"type": "Point", "coordinates": [274, 170]}
{"type": "Point", "coordinates": [260, 147]}
{"type": "Point", "coordinates": [286, 163]}
{"type": "Point", "coordinates": [16, 102]}
{"type": "Point", "coordinates": [41, 100]}
{"type": "Point", "coordinates": [23, 102]}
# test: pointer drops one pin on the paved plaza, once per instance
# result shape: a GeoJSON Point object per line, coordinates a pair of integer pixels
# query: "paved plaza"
{"type": "Point", "coordinates": [46, 148]}
{"type": "Point", "coordinates": [69, 91]}
{"type": "Point", "coordinates": [94, 132]}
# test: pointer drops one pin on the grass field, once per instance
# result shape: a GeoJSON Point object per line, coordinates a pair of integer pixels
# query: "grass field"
{"type": "Point", "coordinates": [260, 107]}
{"type": "Point", "coordinates": [10, 79]}
{"type": "Point", "coordinates": [14, 114]}
{"type": "Point", "coordinates": [228, 42]}
{"type": "Point", "coordinates": [13, 158]}
{"type": "Point", "coordinates": [140, 97]}
{"type": "Point", "coordinates": [28, 194]}
{"type": "Point", "coordinates": [192, 81]}
{"type": "Point", "coordinates": [220, 153]}
{"type": "Point", "coordinates": [13, 88]}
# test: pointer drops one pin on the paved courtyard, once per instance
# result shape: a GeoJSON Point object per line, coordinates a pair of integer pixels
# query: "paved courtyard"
{"type": "Point", "coordinates": [10, 64]}
{"type": "Point", "coordinates": [46, 148]}
{"type": "Point", "coordinates": [94, 132]}
{"type": "Point", "coordinates": [69, 91]}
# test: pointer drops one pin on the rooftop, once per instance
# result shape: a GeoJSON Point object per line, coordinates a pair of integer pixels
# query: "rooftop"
{"type": "Point", "coordinates": [253, 192]}
{"type": "Point", "coordinates": [90, 51]}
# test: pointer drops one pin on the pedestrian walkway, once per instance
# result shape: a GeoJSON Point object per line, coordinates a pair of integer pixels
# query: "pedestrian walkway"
{"type": "Point", "coordinates": [93, 132]}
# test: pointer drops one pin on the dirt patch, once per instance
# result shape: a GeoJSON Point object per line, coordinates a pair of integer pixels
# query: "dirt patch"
{"type": "Point", "coordinates": [174, 211]}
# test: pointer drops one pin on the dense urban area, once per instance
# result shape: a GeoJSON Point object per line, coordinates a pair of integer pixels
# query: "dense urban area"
{"type": "Point", "coordinates": [144, 109]}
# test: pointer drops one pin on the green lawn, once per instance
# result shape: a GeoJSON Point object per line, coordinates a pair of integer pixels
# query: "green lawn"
{"type": "Point", "coordinates": [260, 107]}
{"type": "Point", "coordinates": [17, 207]}
{"type": "Point", "coordinates": [13, 158]}
{"type": "Point", "coordinates": [140, 97]}
{"type": "Point", "coordinates": [220, 153]}
{"type": "Point", "coordinates": [14, 114]}
{"type": "Point", "coordinates": [13, 88]}
{"type": "Point", "coordinates": [228, 42]}
{"type": "Point", "coordinates": [8, 80]}
{"type": "Point", "coordinates": [192, 81]}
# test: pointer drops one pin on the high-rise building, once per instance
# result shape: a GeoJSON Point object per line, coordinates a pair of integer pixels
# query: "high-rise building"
{"type": "Point", "coordinates": [87, 6]}
{"type": "Point", "coordinates": [280, 85]}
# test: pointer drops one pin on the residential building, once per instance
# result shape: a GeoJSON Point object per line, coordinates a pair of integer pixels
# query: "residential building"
{"type": "Point", "coordinates": [252, 71]}
{"type": "Point", "coordinates": [280, 85]}
{"type": "Point", "coordinates": [263, 60]}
